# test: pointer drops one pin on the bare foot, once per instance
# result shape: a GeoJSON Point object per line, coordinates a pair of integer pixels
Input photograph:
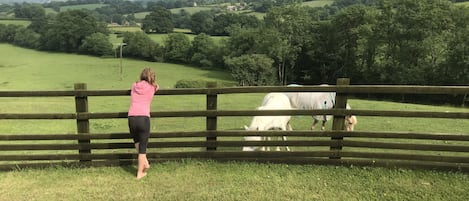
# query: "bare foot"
{"type": "Point", "coordinates": [146, 167]}
{"type": "Point", "coordinates": [141, 175]}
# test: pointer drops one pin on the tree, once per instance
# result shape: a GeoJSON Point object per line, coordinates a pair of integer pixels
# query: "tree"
{"type": "Point", "coordinates": [454, 70]}
{"type": "Point", "coordinates": [96, 44]}
{"type": "Point", "coordinates": [202, 50]}
{"type": "Point", "coordinates": [409, 31]}
{"type": "Point", "coordinates": [39, 25]}
{"type": "Point", "coordinates": [68, 30]}
{"type": "Point", "coordinates": [30, 11]}
{"type": "Point", "coordinates": [294, 24]}
{"type": "Point", "coordinates": [139, 45]}
{"type": "Point", "coordinates": [26, 38]}
{"type": "Point", "coordinates": [252, 70]}
{"type": "Point", "coordinates": [158, 21]}
{"type": "Point", "coordinates": [8, 32]}
{"type": "Point", "coordinates": [334, 49]}
{"type": "Point", "coordinates": [223, 22]}
{"type": "Point", "coordinates": [182, 19]}
{"type": "Point", "coordinates": [202, 22]}
{"type": "Point", "coordinates": [176, 48]}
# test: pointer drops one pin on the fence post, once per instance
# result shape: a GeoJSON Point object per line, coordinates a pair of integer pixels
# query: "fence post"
{"type": "Point", "coordinates": [211, 122]}
{"type": "Point", "coordinates": [83, 125]}
{"type": "Point", "coordinates": [339, 121]}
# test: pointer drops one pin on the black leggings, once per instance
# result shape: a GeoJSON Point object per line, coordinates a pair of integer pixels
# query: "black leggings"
{"type": "Point", "coordinates": [139, 127]}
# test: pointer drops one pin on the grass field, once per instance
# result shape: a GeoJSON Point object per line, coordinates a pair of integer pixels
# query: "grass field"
{"type": "Point", "coordinates": [23, 69]}
{"type": "Point", "coordinates": [317, 3]}
{"type": "Point", "coordinates": [79, 7]}
{"type": "Point", "coordinates": [16, 22]}
{"type": "Point", "coordinates": [462, 4]}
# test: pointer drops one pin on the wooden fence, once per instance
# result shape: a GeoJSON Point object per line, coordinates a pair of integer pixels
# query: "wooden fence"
{"type": "Point", "coordinates": [335, 147]}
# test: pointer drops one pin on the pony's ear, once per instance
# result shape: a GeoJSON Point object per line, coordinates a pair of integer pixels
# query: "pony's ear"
{"type": "Point", "coordinates": [246, 127]}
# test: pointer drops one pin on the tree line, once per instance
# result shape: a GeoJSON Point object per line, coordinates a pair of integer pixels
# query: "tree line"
{"type": "Point", "coordinates": [372, 42]}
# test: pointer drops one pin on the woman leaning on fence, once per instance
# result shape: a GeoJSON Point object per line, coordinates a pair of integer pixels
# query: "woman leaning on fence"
{"type": "Point", "coordinates": [141, 97]}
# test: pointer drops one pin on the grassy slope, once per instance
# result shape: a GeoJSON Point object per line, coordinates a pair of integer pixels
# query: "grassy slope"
{"type": "Point", "coordinates": [22, 69]}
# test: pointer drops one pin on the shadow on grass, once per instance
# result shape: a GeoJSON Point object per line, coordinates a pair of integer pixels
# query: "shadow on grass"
{"type": "Point", "coordinates": [130, 169]}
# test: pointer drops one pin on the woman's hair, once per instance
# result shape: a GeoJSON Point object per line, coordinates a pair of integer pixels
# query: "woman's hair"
{"type": "Point", "coordinates": [148, 75]}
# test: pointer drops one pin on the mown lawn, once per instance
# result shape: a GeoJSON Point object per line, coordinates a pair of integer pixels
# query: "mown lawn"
{"type": "Point", "coordinates": [208, 180]}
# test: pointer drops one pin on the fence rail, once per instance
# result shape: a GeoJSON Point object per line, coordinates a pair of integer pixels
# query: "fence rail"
{"type": "Point", "coordinates": [446, 151]}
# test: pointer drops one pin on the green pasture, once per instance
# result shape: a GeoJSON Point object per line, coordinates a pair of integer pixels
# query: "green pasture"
{"type": "Point", "coordinates": [16, 22]}
{"type": "Point", "coordinates": [124, 28]}
{"type": "Point", "coordinates": [317, 3]}
{"type": "Point", "coordinates": [141, 15]}
{"type": "Point", "coordinates": [191, 10]}
{"type": "Point", "coordinates": [24, 69]}
{"type": "Point", "coordinates": [462, 3]}
{"type": "Point", "coordinates": [80, 7]}
{"type": "Point", "coordinates": [50, 11]}
{"type": "Point", "coordinates": [160, 38]}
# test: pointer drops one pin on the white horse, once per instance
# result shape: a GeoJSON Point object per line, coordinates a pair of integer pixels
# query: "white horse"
{"type": "Point", "coordinates": [272, 101]}
{"type": "Point", "coordinates": [318, 100]}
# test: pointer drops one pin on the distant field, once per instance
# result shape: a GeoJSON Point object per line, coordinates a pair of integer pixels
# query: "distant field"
{"type": "Point", "coordinates": [160, 38]}
{"type": "Point", "coordinates": [191, 10]}
{"type": "Point", "coordinates": [318, 3]}
{"type": "Point", "coordinates": [84, 6]}
{"type": "Point", "coordinates": [45, 68]}
{"type": "Point", "coordinates": [141, 15]}
{"type": "Point", "coordinates": [124, 29]}
{"type": "Point", "coordinates": [50, 11]}
{"type": "Point", "coordinates": [16, 22]}
{"type": "Point", "coordinates": [463, 4]}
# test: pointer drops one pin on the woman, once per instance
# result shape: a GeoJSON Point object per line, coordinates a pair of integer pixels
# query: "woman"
{"type": "Point", "coordinates": [141, 96]}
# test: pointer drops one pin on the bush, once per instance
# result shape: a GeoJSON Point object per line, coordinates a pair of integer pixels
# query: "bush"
{"type": "Point", "coordinates": [191, 84]}
{"type": "Point", "coordinates": [199, 84]}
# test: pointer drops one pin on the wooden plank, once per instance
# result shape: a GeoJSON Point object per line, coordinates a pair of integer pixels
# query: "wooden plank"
{"type": "Point", "coordinates": [405, 135]}
{"type": "Point", "coordinates": [36, 93]}
{"type": "Point", "coordinates": [233, 113]}
{"type": "Point", "coordinates": [24, 147]}
{"type": "Point", "coordinates": [402, 89]}
{"type": "Point", "coordinates": [38, 116]}
{"type": "Point", "coordinates": [415, 157]}
{"type": "Point", "coordinates": [241, 133]}
{"type": "Point", "coordinates": [64, 157]}
{"type": "Point", "coordinates": [406, 146]}
{"type": "Point", "coordinates": [351, 89]}
{"type": "Point", "coordinates": [18, 137]}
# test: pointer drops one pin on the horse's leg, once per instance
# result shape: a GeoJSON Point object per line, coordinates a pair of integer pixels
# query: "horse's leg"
{"type": "Point", "coordinates": [313, 126]}
{"type": "Point", "coordinates": [323, 126]}
{"type": "Point", "coordinates": [285, 137]}
{"type": "Point", "coordinates": [278, 147]}
{"type": "Point", "coordinates": [268, 147]}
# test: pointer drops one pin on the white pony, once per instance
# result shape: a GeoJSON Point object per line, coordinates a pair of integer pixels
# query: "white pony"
{"type": "Point", "coordinates": [318, 100]}
{"type": "Point", "coordinates": [272, 101]}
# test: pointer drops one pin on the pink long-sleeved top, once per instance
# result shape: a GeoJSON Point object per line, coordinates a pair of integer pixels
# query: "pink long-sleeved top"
{"type": "Point", "coordinates": [141, 96]}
